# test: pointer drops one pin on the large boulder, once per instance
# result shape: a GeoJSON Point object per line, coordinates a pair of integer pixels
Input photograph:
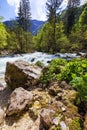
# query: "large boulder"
{"type": "Point", "coordinates": [19, 99]}
{"type": "Point", "coordinates": [22, 74]}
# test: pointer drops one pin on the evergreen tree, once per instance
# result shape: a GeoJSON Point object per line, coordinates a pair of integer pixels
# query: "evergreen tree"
{"type": "Point", "coordinates": [52, 9]}
{"type": "Point", "coordinates": [24, 15]}
{"type": "Point", "coordinates": [23, 20]}
{"type": "Point", "coordinates": [71, 13]}
{"type": "Point", "coordinates": [83, 17]}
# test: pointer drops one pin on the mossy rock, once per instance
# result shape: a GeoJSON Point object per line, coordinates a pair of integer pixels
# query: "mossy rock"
{"type": "Point", "coordinates": [75, 124]}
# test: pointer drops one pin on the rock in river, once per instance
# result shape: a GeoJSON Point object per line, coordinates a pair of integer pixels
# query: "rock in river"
{"type": "Point", "coordinates": [22, 74]}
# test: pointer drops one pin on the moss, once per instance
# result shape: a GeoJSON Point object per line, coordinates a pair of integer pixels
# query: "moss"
{"type": "Point", "coordinates": [75, 124]}
{"type": "Point", "coordinates": [58, 128]}
{"type": "Point", "coordinates": [40, 64]}
{"type": "Point", "coordinates": [72, 111]}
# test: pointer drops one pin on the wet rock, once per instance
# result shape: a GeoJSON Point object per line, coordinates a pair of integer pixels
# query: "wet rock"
{"type": "Point", "coordinates": [2, 116]}
{"type": "Point", "coordinates": [47, 117]}
{"type": "Point", "coordinates": [20, 73]}
{"type": "Point", "coordinates": [19, 99]}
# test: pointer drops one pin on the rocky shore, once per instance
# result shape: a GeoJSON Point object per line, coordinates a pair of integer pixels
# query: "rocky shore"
{"type": "Point", "coordinates": [27, 104]}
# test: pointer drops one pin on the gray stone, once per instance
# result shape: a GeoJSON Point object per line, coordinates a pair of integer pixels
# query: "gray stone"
{"type": "Point", "coordinates": [47, 117]}
{"type": "Point", "coordinates": [63, 125]}
{"type": "Point", "coordinates": [19, 99]}
{"type": "Point", "coordinates": [54, 90]}
{"type": "Point", "coordinates": [22, 74]}
{"type": "Point", "coordinates": [56, 121]}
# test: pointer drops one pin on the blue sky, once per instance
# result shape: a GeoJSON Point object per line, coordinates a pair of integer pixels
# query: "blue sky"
{"type": "Point", "coordinates": [8, 12]}
{"type": "Point", "coordinates": [9, 8]}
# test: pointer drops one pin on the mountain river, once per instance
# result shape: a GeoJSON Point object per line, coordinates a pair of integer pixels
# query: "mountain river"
{"type": "Point", "coordinates": [31, 58]}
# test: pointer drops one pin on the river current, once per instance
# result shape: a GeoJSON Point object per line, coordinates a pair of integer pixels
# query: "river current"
{"type": "Point", "coordinates": [31, 58]}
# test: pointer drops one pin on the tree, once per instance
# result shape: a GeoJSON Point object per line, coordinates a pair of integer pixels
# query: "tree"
{"type": "Point", "coordinates": [24, 15]}
{"type": "Point", "coordinates": [52, 9]}
{"type": "Point", "coordinates": [83, 17]}
{"type": "Point", "coordinates": [71, 14]}
{"type": "Point", "coordinates": [3, 36]}
{"type": "Point", "coordinates": [62, 42]}
{"type": "Point", "coordinates": [23, 28]}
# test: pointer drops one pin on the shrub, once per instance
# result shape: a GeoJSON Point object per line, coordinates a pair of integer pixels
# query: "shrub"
{"type": "Point", "coordinates": [73, 69]}
{"type": "Point", "coordinates": [74, 72]}
{"type": "Point", "coordinates": [53, 70]}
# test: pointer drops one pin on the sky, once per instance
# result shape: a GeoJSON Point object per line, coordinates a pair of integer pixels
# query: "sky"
{"type": "Point", "coordinates": [9, 9]}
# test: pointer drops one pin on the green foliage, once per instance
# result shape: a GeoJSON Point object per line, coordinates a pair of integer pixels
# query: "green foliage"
{"type": "Point", "coordinates": [73, 69]}
{"type": "Point", "coordinates": [45, 38]}
{"type": "Point", "coordinates": [40, 64]}
{"type": "Point", "coordinates": [62, 42]}
{"type": "Point", "coordinates": [19, 40]}
{"type": "Point", "coordinates": [75, 124]}
{"type": "Point", "coordinates": [12, 41]}
{"type": "Point", "coordinates": [74, 72]}
{"type": "Point", "coordinates": [53, 70]}
{"type": "Point", "coordinates": [80, 84]}
{"type": "Point", "coordinates": [3, 36]}
{"type": "Point", "coordinates": [83, 17]}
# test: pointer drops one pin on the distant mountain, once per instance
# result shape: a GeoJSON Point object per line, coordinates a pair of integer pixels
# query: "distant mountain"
{"type": "Point", "coordinates": [35, 25]}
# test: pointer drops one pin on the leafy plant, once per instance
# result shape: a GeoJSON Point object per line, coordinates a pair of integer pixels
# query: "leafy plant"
{"type": "Point", "coordinates": [73, 69]}
{"type": "Point", "coordinates": [53, 70]}
{"type": "Point", "coordinates": [80, 84]}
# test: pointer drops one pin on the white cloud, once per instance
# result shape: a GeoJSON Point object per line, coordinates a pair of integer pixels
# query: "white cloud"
{"type": "Point", "coordinates": [14, 3]}
{"type": "Point", "coordinates": [38, 7]}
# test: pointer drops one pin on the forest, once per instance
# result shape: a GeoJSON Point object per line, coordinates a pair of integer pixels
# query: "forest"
{"type": "Point", "coordinates": [57, 92]}
{"type": "Point", "coordinates": [64, 31]}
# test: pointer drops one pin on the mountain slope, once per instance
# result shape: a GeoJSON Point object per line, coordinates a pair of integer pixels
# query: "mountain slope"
{"type": "Point", "coordinates": [35, 25]}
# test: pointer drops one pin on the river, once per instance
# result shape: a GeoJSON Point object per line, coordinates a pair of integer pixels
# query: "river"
{"type": "Point", "coordinates": [31, 58]}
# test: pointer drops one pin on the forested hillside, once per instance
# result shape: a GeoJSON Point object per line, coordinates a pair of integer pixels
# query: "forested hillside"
{"type": "Point", "coordinates": [64, 31]}
{"type": "Point", "coordinates": [49, 91]}
{"type": "Point", "coordinates": [35, 25]}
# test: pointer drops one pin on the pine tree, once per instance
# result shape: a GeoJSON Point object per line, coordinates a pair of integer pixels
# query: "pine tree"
{"type": "Point", "coordinates": [23, 21]}
{"type": "Point", "coordinates": [71, 13]}
{"type": "Point", "coordinates": [24, 15]}
{"type": "Point", "coordinates": [52, 8]}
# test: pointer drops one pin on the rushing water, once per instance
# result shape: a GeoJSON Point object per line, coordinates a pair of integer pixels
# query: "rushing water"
{"type": "Point", "coordinates": [31, 58]}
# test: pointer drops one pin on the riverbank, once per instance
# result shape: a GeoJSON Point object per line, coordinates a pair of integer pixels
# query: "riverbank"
{"type": "Point", "coordinates": [31, 104]}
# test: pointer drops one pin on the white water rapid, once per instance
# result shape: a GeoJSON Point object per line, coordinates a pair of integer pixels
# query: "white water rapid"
{"type": "Point", "coordinates": [31, 58]}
